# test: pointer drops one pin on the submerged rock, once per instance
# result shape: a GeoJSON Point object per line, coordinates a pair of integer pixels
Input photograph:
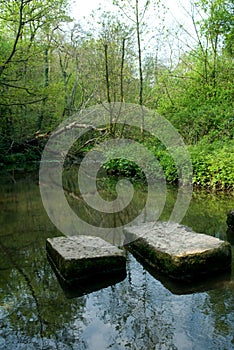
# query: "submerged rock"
{"type": "Point", "coordinates": [178, 251]}
{"type": "Point", "coordinates": [230, 235]}
{"type": "Point", "coordinates": [230, 219]}
{"type": "Point", "coordinates": [81, 258]}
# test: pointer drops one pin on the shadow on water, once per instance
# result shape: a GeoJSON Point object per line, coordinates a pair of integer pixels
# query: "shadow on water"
{"type": "Point", "coordinates": [78, 288]}
{"type": "Point", "coordinates": [141, 311]}
{"type": "Point", "coordinates": [189, 287]}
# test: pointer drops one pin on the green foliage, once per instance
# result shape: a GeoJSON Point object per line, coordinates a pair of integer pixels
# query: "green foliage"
{"type": "Point", "coordinates": [47, 75]}
{"type": "Point", "coordinates": [168, 165]}
{"type": "Point", "coordinates": [196, 104]}
{"type": "Point", "coordinates": [218, 24]}
{"type": "Point", "coordinates": [123, 167]}
{"type": "Point", "coordinates": [132, 162]}
{"type": "Point", "coordinates": [213, 164]}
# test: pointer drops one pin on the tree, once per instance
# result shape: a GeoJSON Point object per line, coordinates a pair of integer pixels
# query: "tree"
{"type": "Point", "coordinates": [26, 27]}
{"type": "Point", "coordinates": [217, 28]}
{"type": "Point", "coordinates": [196, 94]}
{"type": "Point", "coordinates": [136, 14]}
{"type": "Point", "coordinates": [24, 19]}
{"type": "Point", "coordinates": [218, 23]}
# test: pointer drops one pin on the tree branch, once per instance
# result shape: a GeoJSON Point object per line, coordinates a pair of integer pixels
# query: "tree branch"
{"type": "Point", "coordinates": [76, 125]}
{"type": "Point", "coordinates": [16, 87]}
{"type": "Point", "coordinates": [18, 35]}
{"type": "Point", "coordinates": [21, 103]}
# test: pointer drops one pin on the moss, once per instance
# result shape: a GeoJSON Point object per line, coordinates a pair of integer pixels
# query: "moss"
{"type": "Point", "coordinates": [190, 266]}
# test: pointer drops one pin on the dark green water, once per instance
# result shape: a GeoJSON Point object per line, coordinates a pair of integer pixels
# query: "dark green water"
{"type": "Point", "coordinates": [137, 313]}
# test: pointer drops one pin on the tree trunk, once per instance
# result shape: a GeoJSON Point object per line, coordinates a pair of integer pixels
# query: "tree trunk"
{"type": "Point", "coordinates": [140, 65]}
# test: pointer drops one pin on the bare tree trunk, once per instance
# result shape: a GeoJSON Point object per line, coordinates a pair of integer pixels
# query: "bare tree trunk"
{"type": "Point", "coordinates": [121, 72]}
{"type": "Point", "coordinates": [111, 128]}
{"type": "Point", "coordinates": [139, 54]}
{"type": "Point", "coordinates": [107, 74]}
{"type": "Point", "coordinates": [65, 82]}
{"type": "Point", "coordinates": [140, 65]}
{"type": "Point", "coordinates": [46, 83]}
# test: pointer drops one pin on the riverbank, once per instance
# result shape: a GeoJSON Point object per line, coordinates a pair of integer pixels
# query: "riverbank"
{"type": "Point", "coordinates": [212, 163]}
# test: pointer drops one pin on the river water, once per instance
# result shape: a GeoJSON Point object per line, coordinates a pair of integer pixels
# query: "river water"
{"type": "Point", "coordinates": [142, 311]}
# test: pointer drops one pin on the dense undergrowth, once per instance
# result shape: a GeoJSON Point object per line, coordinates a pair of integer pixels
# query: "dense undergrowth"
{"type": "Point", "coordinates": [212, 164]}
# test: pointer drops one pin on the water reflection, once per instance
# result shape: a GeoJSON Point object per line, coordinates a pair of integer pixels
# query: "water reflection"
{"type": "Point", "coordinates": [77, 288]}
{"type": "Point", "coordinates": [140, 208]}
{"type": "Point", "coordinates": [136, 313]}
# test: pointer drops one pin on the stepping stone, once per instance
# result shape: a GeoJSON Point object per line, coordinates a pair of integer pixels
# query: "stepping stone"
{"type": "Point", "coordinates": [81, 258]}
{"type": "Point", "coordinates": [177, 251]}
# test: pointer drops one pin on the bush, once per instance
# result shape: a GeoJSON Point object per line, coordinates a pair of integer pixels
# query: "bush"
{"type": "Point", "coordinates": [213, 164]}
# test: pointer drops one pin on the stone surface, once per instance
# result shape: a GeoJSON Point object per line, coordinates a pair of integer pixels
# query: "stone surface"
{"type": "Point", "coordinates": [84, 257]}
{"type": "Point", "coordinates": [178, 251]}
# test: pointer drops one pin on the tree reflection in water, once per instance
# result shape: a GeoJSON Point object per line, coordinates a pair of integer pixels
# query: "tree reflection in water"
{"type": "Point", "coordinates": [137, 313]}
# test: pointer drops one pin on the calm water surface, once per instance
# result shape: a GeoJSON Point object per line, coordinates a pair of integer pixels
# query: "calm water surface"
{"type": "Point", "coordinates": [140, 312]}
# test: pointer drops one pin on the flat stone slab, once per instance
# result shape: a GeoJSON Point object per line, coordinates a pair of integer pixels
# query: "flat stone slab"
{"type": "Point", "coordinates": [84, 257]}
{"type": "Point", "coordinates": [178, 251]}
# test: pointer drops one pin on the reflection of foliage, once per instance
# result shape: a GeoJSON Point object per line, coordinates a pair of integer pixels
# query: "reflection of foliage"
{"type": "Point", "coordinates": [137, 313]}
{"type": "Point", "coordinates": [208, 211]}
{"type": "Point", "coordinates": [32, 304]}
{"type": "Point", "coordinates": [221, 309]}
